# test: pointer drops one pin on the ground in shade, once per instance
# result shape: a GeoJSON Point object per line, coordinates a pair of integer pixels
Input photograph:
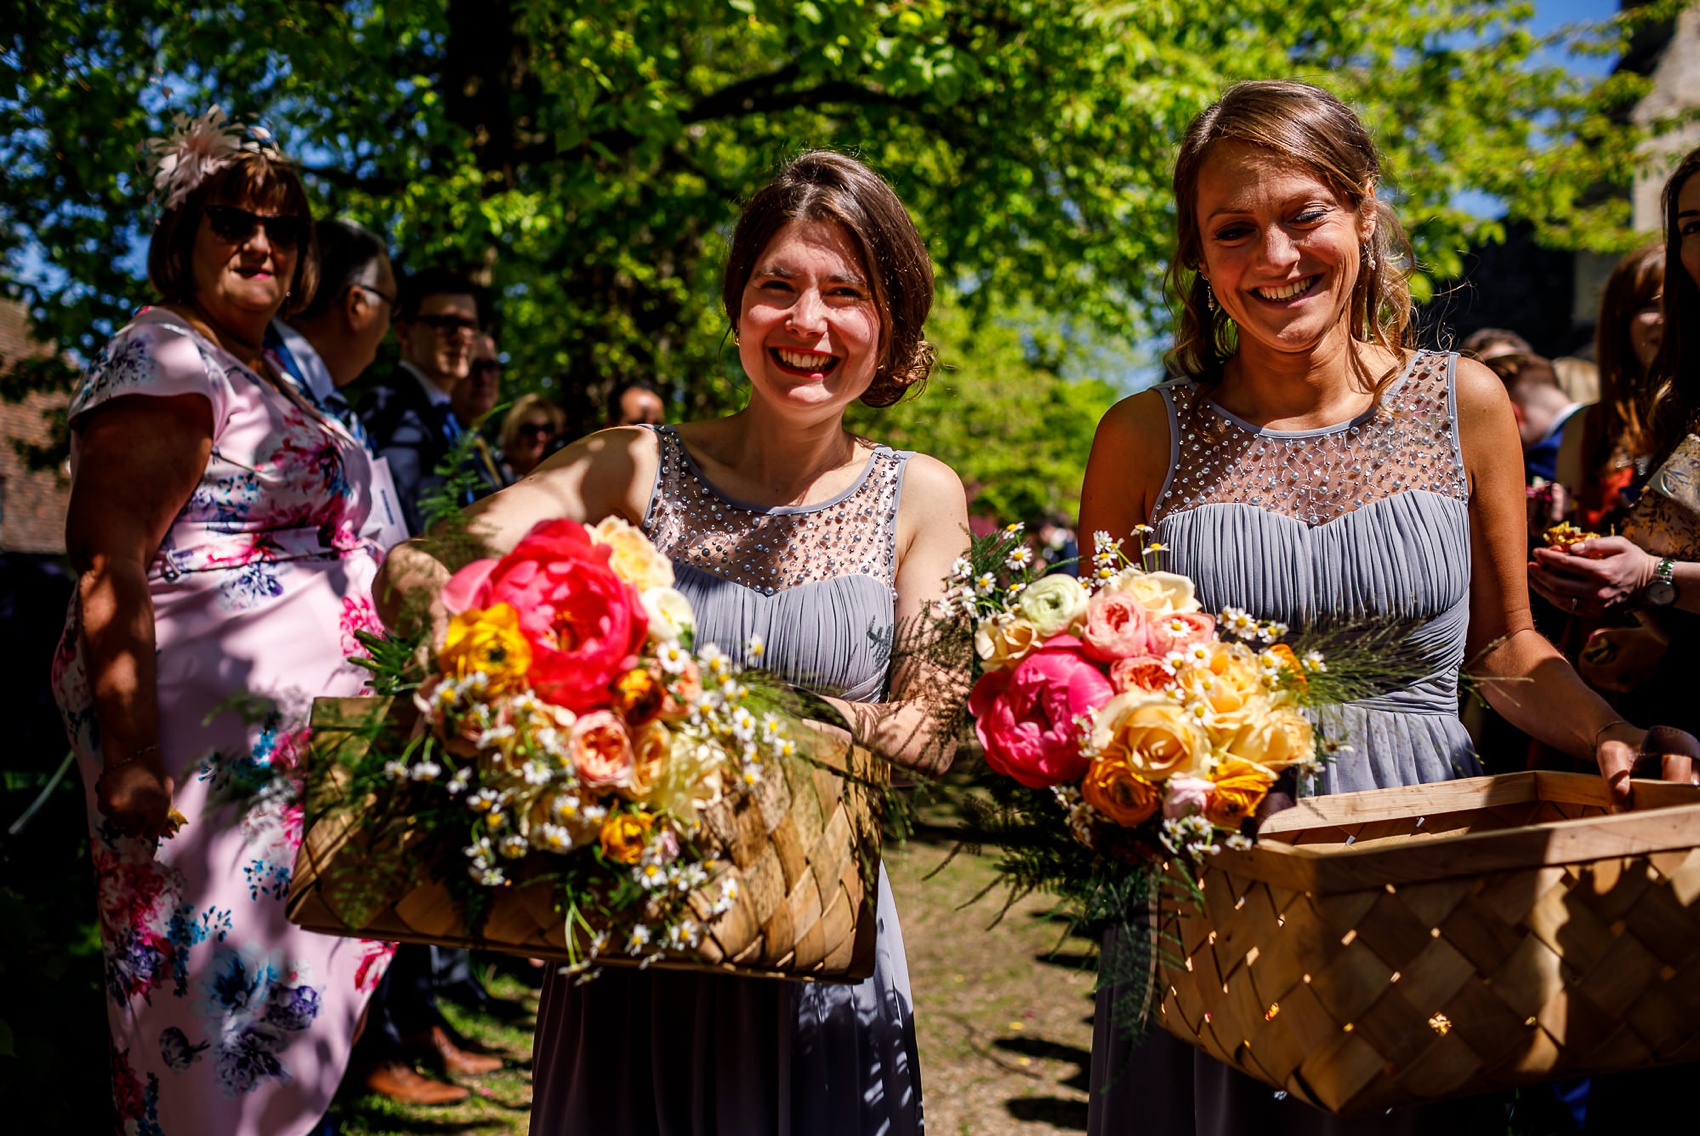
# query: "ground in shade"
{"type": "Point", "coordinates": [1005, 1023]}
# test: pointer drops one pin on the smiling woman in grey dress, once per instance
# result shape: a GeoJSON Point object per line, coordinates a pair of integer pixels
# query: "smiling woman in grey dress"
{"type": "Point", "coordinates": [1310, 467]}
{"type": "Point", "coordinates": [785, 529]}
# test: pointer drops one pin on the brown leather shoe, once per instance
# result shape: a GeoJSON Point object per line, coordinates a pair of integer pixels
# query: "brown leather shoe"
{"type": "Point", "coordinates": [400, 1082]}
{"type": "Point", "coordinates": [437, 1046]}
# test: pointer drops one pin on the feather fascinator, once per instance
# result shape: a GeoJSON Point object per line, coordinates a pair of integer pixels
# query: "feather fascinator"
{"type": "Point", "coordinates": [197, 148]}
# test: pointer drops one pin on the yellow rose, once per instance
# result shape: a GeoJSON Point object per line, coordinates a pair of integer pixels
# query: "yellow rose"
{"type": "Point", "coordinates": [1160, 593]}
{"type": "Point", "coordinates": [1053, 604]}
{"type": "Point", "coordinates": [1120, 794]}
{"type": "Point", "coordinates": [1004, 640]}
{"type": "Point", "coordinates": [1228, 678]}
{"type": "Point", "coordinates": [635, 560]}
{"type": "Point", "coordinates": [1275, 740]}
{"type": "Point", "coordinates": [490, 642]}
{"type": "Point", "coordinates": [670, 614]}
{"type": "Point", "coordinates": [1240, 788]}
{"type": "Point", "coordinates": [625, 835]}
{"type": "Point", "coordinates": [651, 751]}
{"type": "Point", "coordinates": [1154, 735]}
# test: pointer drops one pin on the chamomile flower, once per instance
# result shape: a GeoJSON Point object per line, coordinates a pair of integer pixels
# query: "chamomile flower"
{"type": "Point", "coordinates": [427, 771]}
{"type": "Point", "coordinates": [1238, 841]}
{"type": "Point", "coordinates": [483, 801]}
{"type": "Point", "coordinates": [396, 769]}
{"type": "Point", "coordinates": [754, 647]}
{"type": "Point", "coordinates": [672, 656]}
{"type": "Point", "coordinates": [1019, 557]}
{"type": "Point", "coordinates": [513, 846]}
{"type": "Point", "coordinates": [985, 584]}
{"type": "Point", "coordinates": [554, 838]}
{"type": "Point", "coordinates": [638, 939]}
{"type": "Point", "coordinates": [961, 570]}
{"type": "Point", "coordinates": [1312, 661]}
{"type": "Point", "coordinates": [457, 784]}
{"type": "Point", "coordinates": [489, 877]}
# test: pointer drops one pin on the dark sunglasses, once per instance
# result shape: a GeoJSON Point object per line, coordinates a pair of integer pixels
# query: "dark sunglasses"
{"type": "Point", "coordinates": [536, 430]}
{"type": "Point", "coordinates": [486, 367]}
{"type": "Point", "coordinates": [448, 325]}
{"type": "Point", "coordinates": [235, 226]}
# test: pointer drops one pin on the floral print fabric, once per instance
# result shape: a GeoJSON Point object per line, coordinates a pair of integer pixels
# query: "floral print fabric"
{"type": "Point", "coordinates": [225, 1017]}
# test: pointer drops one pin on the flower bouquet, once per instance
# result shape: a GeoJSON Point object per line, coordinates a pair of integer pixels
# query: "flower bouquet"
{"type": "Point", "coordinates": [570, 774]}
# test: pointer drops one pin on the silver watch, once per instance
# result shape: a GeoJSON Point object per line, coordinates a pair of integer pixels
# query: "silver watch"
{"type": "Point", "coordinates": [1661, 592]}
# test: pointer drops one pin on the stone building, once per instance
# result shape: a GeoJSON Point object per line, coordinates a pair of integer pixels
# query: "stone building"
{"type": "Point", "coordinates": [32, 502]}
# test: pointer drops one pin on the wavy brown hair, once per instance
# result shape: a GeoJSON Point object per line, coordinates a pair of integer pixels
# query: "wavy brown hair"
{"type": "Point", "coordinates": [828, 188]}
{"type": "Point", "coordinates": [1625, 385]}
{"type": "Point", "coordinates": [1312, 128]}
{"type": "Point", "coordinates": [1676, 368]}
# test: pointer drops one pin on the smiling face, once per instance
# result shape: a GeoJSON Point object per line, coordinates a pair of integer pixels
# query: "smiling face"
{"type": "Point", "coordinates": [809, 326]}
{"type": "Point", "coordinates": [1280, 248]}
{"type": "Point", "coordinates": [239, 283]}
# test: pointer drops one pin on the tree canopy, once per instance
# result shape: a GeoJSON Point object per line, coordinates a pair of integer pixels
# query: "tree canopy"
{"type": "Point", "coordinates": [587, 159]}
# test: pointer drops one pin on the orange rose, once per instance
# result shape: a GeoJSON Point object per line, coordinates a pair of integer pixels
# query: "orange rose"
{"type": "Point", "coordinates": [1120, 794]}
{"type": "Point", "coordinates": [626, 835]}
{"type": "Point", "coordinates": [1240, 788]}
{"type": "Point", "coordinates": [638, 697]}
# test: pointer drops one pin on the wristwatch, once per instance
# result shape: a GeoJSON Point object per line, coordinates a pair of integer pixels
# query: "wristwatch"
{"type": "Point", "coordinates": [1661, 592]}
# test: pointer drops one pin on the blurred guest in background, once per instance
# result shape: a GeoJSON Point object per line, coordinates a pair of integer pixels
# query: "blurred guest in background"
{"type": "Point", "coordinates": [636, 402]}
{"type": "Point", "coordinates": [1484, 343]}
{"type": "Point", "coordinates": [1544, 412]}
{"type": "Point", "coordinates": [409, 413]}
{"type": "Point", "coordinates": [472, 402]}
{"type": "Point", "coordinates": [532, 424]}
{"type": "Point", "coordinates": [1611, 457]}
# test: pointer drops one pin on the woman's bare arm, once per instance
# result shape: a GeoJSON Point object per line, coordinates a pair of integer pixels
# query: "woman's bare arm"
{"type": "Point", "coordinates": [140, 459]}
{"type": "Point", "coordinates": [1125, 472]}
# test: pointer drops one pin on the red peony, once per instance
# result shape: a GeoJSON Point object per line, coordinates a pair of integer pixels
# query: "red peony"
{"type": "Point", "coordinates": [1025, 716]}
{"type": "Point", "coordinates": [585, 624]}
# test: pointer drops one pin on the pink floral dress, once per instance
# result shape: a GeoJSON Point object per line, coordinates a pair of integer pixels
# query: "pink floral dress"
{"type": "Point", "coordinates": [226, 1019]}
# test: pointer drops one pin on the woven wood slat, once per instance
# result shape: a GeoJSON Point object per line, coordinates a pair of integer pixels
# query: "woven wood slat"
{"type": "Point", "coordinates": [796, 847]}
{"type": "Point", "coordinates": [1382, 949]}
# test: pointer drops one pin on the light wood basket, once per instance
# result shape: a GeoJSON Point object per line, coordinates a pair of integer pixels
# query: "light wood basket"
{"type": "Point", "coordinates": [804, 848]}
{"type": "Point", "coordinates": [1381, 949]}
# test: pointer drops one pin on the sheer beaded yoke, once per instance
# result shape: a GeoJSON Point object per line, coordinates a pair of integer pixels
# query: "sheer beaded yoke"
{"type": "Point", "coordinates": [769, 548]}
{"type": "Point", "coordinates": [1410, 442]}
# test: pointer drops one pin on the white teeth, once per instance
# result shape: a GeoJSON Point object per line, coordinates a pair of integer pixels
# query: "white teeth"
{"type": "Point", "coordinates": [805, 360]}
{"type": "Point", "coordinates": [1287, 291]}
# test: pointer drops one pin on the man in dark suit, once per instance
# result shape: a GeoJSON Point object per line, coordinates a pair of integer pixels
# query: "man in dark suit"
{"type": "Point", "coordinates": [409, 414]}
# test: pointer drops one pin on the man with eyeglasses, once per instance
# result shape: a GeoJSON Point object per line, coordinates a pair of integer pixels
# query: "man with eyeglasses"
{"type": "Point", "coordinates": [472, 401]}
{"type": "Point", "coordinates": [409, 413]}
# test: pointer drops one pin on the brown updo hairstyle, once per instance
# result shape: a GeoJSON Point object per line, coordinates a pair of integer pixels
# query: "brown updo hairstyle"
{"type": "Point", "coordinates": [1676, 369]}
{"type": "Point", "coordinates": [1313, 129]}
{"type": "Point", "coordinates": [255, 181]}
{"type": "Point", "coordinates": [827, 188]}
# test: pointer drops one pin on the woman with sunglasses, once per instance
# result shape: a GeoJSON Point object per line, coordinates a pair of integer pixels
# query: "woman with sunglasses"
{"type": "Point", "coordinates": [532, 424]}
{"type": "Point", "coordinates": [214, 524]}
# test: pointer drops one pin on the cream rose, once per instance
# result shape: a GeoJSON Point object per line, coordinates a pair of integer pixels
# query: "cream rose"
{"type": "Point", "coordinates": [670, 614]}
{"type": "Point", "coordinates": [652, 750]}
{"type": "Point", "coordinates": [1004, 640]}
{"type": "Point", "coordinates": [1154, 735]}
{"type": "Point", "coordinates": [634, 559]}
{"type": "Point", "coordinates": [1053, 604]}
{"type": "Point", "coordinates": [1159, 593]}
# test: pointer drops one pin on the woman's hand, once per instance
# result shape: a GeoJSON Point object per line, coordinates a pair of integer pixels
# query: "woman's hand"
{"type": "Point", "coordinates": [136, 796]}
{"type": "Point", "coordinates": [1593, 576]}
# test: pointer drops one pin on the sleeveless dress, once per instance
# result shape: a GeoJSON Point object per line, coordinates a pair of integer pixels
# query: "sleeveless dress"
{"type": "Point", "coordinates": [658, 1053]}
{"type": "Point", "coordinates": [227, 1019]}
{"type": "Point", "coordinates": [1365, 524]}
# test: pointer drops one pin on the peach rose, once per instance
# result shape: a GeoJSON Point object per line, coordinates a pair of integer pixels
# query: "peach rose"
{"type": "Point", "coordinates": [1240, 788]}
{"type": "Point", "coordinates": [1152, 734]}
{"type": "Point", "coordinates": [1185, 796]}
{"type": "Point", "coordinates": [601, 751]}
{"type": "Point", "coordinates": [1274, 740]}
{"type": "Point", "coordinates": [1130, 675]}
{"type": "Point", "coordinates": [1180, 630]}
{"type": "Point", "coordinates": [633, 558]}
{"type": "Point", "coordinates": [1119, 793]}
{"type": "Point", "coordinates": [1117, 627]}
{"type": "Point", "coordinates": [1001, 641]}
{"type": "Point", "coordinates": [1228, 679]}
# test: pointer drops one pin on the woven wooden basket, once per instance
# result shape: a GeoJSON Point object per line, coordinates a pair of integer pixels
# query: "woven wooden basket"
{"type": "Point", "coordinates": [1386, 948]}
{"type": "Point", "coordinates": [801, 846]}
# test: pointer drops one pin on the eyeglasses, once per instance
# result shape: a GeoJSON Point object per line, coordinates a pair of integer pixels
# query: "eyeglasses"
{"type": "Point", "coordinates": [449, 325]}
{"type": "Point", "coordinates": [536, 430]}
{"type": "Point", "coordinates": [236, 226]}
{"type": "Point", "coordinates": [384, 296]}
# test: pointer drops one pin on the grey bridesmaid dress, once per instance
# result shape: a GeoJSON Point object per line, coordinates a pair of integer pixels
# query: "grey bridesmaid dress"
{"type": "Point", "coordinates": [657, 1053]}
{"type": "Point", "coordinates": [1364, 524]}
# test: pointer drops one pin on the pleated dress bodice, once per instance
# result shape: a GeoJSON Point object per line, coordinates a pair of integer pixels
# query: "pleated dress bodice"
{"type": "Point", "coordinates": [1363, 527]}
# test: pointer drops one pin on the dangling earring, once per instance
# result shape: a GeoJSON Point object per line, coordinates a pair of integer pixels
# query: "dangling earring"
{"type": "Point", "coordinates": [734, 336]}
{"type": "Point", "coordinates": [1209, 298]}
{"type": "Point", "coordinates": [1369, 258]}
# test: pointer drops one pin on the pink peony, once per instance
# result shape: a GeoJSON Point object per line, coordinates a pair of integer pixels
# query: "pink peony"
{"type": "Point", "coordinates": [1179, 631]}
{"type": "Point", "coordinates": [1117, 627]}
{"type": "Point", "coordinates": [585, 624]}
{"type": "Point", "coordinates": [1186, 796]}
{"type": "Point", "coordinates": [1025, 716]}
